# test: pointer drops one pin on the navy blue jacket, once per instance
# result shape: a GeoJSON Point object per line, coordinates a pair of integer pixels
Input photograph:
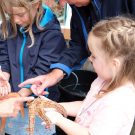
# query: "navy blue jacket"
{"type": "Point", "coordinates": [23, 62]}
{"type": "Point", "coordinates": [82, 20]}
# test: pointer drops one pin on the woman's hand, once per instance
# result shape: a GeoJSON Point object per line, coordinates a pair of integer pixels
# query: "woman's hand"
{"type": "Point", "coordinates": [4, 84]}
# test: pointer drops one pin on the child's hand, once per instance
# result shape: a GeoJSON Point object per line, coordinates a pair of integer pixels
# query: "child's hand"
{"type": "Point", "coordinates": [4, 84]}
{"type": "Point", "coordinates": [11, 106]}
{"type": "Point", "coordinates": [53, 115]}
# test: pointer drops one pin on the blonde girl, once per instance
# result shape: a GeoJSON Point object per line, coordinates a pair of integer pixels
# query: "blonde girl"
{"type": "Point", "coordinates": [109, 107]}
{"type": "Point", "coordinates": [30, 41]}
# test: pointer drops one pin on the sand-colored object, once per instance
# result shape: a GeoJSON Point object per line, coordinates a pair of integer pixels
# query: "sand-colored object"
{"type": "Point", "coordinates": [36, 107]}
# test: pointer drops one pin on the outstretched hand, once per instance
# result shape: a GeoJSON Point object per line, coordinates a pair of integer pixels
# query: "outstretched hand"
{"type": "Point", "coordinates": [44, 81]}
{"type": "Point", "coordinates": [10, 107]}
{"type": "Point", "coordinates": [4, 84]}
{"type": "Point", "coordinates": [51, 113]}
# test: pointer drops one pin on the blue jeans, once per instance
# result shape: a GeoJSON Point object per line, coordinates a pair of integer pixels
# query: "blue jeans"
{"type": "Point", "coordinates": [18, 126]}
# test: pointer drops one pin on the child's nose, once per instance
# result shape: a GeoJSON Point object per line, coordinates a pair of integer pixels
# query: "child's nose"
{"type": "Point", "coordinates": [16, 20]}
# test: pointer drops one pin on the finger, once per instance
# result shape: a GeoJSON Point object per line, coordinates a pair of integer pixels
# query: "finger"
{"type": "Point", "coordinates": [44, 98]}
{"type": "Point", "coordinates": [42, 87]}
{"type": "Point", "coordinates": [44, 123]}
{"type": "Point", "coordinates": [45, 93]}
{"type": "Point", "coordinates": [15, 113]}
{"type": "Point", "coordinates": [23, 99]}
{"type": "Point", "coordinates": [3, 91]}
{"type": "Point", "coordinates": [8, 87]}
{"type": "Point", "coordinates": [34, 89]}
{"type": "Point", "coordinates": [29, 81]}
{"type": "Point", "coordinates": [6, 115]}
{"type": "Point", "coordinates": [17, 107]}
{"type": "Point", "coordinates": [6, 90]}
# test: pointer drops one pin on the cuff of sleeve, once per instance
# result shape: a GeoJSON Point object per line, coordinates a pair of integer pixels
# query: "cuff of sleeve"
{"type": "Point", "coordinates": [5, 70]}
{"type": "Point", "coordinates": [63, 67]}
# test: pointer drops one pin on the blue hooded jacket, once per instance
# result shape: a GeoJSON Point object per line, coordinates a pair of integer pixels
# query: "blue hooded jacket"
{"type": "Point", "coordinates": [82, 20]}
{"type": "Point", "coordinates": [24, 62]}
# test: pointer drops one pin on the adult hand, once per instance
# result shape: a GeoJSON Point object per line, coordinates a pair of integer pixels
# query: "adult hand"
{"type": "Point", "coordinates": [4, 84]}
{"type": "Point", "coordinates": [10, 107]}
{"type": "Point", "coordinates": [44, 81]}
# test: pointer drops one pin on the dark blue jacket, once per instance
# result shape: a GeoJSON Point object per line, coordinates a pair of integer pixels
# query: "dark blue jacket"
{"type": "Point", "coordinates": [82, 20]}
{"type": "Point", "coordinates": [23, 62]}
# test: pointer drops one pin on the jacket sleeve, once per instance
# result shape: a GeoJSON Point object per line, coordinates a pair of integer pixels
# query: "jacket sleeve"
{"type": "Point", "coordinates": [51, 47]}
{"type": "Point", "coordinates": [131, 4]}
{"type": "Point", "coordinates": [76, 51]}
{"type": "Point", "coordinates": [4, 59]}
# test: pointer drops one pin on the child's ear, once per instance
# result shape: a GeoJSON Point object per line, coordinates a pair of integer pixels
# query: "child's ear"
{"type": "Point", "coordinates": [116, 63]}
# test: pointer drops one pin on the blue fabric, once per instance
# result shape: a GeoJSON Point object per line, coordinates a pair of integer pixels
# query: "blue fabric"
{"type": "Point", "coordinates": [18, 126]}
{"type": "Point", "coordinates": [61, 66]}
{"type": "Point", "coordinates": [98, 6]}
{"type": "Point", "coordinates": [21, 56]}
{"type": "Point", "coordinates": [85, 33]}
{"type": "Point", "coordinates": [48, 16]}
{"type": "Point", "coordinates": [90, 14]}
{"type": "Point", "coordinates": [35, 60]}
{"type": "Point", "coordinates": [77, 67]}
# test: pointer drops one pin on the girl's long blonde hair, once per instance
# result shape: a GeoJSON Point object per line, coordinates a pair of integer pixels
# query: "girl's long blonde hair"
{"type": "Point", "coordinates": [118, 36]}
{"type": "Point", "coordinates": [27, 4]}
